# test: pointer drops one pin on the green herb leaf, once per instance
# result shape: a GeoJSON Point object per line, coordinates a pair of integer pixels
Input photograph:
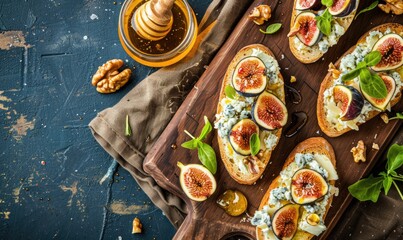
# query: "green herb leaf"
{"type": "Point", "coordinates": [398, 116]}
{"type": "Point", "coordinates": [207, 156]}
{"type": "Point", "coordinates": [327, 3]}
{"type": "Point", "coordinates": [362, 64]}
{"type": "Point", "coordinates": [324, 22]}
{"type": "Point", "coordinates": [128, 129]}
{"type": "Point", "coordinates": [206, 129]}
{"type": "Point", "coordinates": [372, 84]}
{"type": "Point", "coordinates": [373, 58]}
{"type": "Point", "coordinates": [254, 143]}
{"type": "Point", "coordinates": [395, 157]}
{"type": "Point", "coordinates": [367, 188]}
{"type": "Point", "coordinates": [230, 92]}
{"type": "Point", "coordinates": [387, 183]}
{"type": "Point", "coordinates": [369, 8]}
{"type": "Point", "coordinates": [351, 75]}
{"type": "Point", "coordinates": [271, 28]}
{"type": "Point", "coordinates": [191, 144]}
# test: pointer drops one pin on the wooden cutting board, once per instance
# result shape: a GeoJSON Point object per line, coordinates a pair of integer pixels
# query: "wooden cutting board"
{"type": "Point", "coordinates": [206, 220]}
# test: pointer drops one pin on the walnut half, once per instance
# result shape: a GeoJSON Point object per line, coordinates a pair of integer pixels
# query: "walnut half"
{"type": "Point", "coordinates": [108, 79]}
{"type": "Point", "coordinates": [260, 14]}
{"type": "Point", "coordinates": [359, 152]}
{"type": "Point", "coordinates": [394, 6]}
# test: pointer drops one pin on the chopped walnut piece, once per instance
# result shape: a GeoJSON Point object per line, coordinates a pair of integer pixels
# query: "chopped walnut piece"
{"type": "Point", "coordinates": [375, 146]}
{"type": "Point", "coordinates": [108, 79]}
{"type": "Point", "coordinates": [334, 71]}
{"type": "Point", "coordinates": [137, 226]}
{"type": "Point", "coordinates": [293, 79]}
{"type": "Point", "coordinates": [359, 152]}
{"type": "Point", "coordinates": [394, 6]}
{"type": "Point", "coordinates": [260, 14]}
{"type": "Point", "coordinates": [385, 118]}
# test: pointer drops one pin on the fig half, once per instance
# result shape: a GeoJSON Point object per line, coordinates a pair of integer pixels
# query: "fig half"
{"type": "Point", "coordinates": [342, 8]}
{"type": "Point", "coordinates": [196, 181]}
{"type": "Point", "coordinates": [308, 186]}
{"type": "Point", "coordinates": [249, 78]}
{"type": "Point", "coordinates": [269, 112]}
{"type": "Point", "coordinates": [285, 221]}
{"type": "Point", "coordinates": [382, 103]}
{"type": "Point", "coordinates": [391, 48]}
{"type": "Point", "coordinates": [240, 135]}
{"type": "Point", "coordinates": [305, 29]}
{"type": "Point", "coordinates": [308, 4]}
{"type": "Point", "coordinates": [349, 100]}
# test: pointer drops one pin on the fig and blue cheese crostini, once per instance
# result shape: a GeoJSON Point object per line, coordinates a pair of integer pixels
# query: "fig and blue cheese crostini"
{"type": "Point", "coordinates": [252, 102]}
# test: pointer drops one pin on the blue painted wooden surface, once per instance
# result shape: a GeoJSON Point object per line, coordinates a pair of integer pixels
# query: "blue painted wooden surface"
{"type": "Point", "coordinates": [51, 168]}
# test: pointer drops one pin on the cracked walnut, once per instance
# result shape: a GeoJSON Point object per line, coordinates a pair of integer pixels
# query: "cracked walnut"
{"type": "Point", "coordinates": [107, 79]}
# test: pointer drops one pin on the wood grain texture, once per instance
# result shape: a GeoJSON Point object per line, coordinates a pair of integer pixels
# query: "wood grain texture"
{"type": "Point", "coordinates": [206, 220]}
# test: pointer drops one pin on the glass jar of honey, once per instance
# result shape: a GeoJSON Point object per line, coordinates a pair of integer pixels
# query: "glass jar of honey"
{"type": "Point", "coordinates": [166, 51]}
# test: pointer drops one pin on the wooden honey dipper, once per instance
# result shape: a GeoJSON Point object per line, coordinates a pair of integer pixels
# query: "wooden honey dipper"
{"type": "Point", "coordinates": [153, 20]}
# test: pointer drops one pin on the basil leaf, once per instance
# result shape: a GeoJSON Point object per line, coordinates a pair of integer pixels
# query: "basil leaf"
{"type": "Point", "coordinates": [230, 92]}
{"type": "Point", "coordinates": [323, 22]}
{"type": "Point", "coordinates": [327, 3]}
{"type": "Point", "coordinates": [395, 157]}
{"type": "Point", "coordinates": [207, 156]}
{"type": "Point", "coordinates": [191, 144]}
{"type": "Point", "coordinates": [254, 143]}
{"type": "Point", "coordinates": [362, 64]}
{"type": "Point", "coordinates": [387, 183]}
{"type": "Point", "coordinates": [367, 188]}
{"type": "Point", "coordinates": [373, 58]}
{"type": "Point", "coordinates": [351, 75]}
{"type": "Point", "coordinates": [398, 116]}
{"type": "Point", "coordinates": [206, 129]}
{"type": "Point", "coordinates": [369, 8]}
{"type": "Point", "coordinates": [271, 28]}
{"type": "Point", "coordinates": [372, 85]}
{"type": "Point", "coordinates": [128, 129]}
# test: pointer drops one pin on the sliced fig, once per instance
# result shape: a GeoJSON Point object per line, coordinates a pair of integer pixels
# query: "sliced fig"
{"type": "Point", "coordinates": [240, 135]}
{"type": "Point", "coordinates": [349, 100]}
{"type": "Point", "coordinates": [391, 48]}
{"type": "Point", "coordinates": [308, 186]}
{"type": "Point", "coordinates": [196, 181]}
{"type": "Point", "coordinates": [249, 78]}
{"type": "Point", "coordinates": [305, 29]}
{"type": "Point", "coordinates": [342, 8]}
{"type": "Point", "coordinates": [269, 112]}
{"type": "Point", "coordinates": [285, 221]}
{"type": "Point", "coordinates": [382, 103]}
{"type": "Point", "coordinates": [308, 4]}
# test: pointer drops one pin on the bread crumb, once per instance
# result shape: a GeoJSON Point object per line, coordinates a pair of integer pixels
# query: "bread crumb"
{"type": "Point", "coordinates": [137, 226]}
{"type": "Point", "coordinates": [375, 146]}
{"type": "Point", "coordinates": [376, 135]}
{"type": "Point", "coordinates": [385, 118]}
{"type": "Point", "coordinates": [293, 79]}
{"type": "Point", "coordinates": [359, 152]}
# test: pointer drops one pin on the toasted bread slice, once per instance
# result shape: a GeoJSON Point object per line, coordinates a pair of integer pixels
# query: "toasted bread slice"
{"type": "Point", "coordinates": [264, 156]}
{"type": "Point", "coordinates": [317, 145]}
{"type": "Point", "coordinates": [328, 81]}
{"type": "Point", "coordinates": [313, 54]}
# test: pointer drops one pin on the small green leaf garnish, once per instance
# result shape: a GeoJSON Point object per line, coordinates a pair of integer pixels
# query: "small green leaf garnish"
{"type": "Point", "coordinates": [128, 129]}
{"type": "Point", "coordinates": [370, 188]}
{"type": "Point", "coordinates": [373, 58]}
{"type": "Point", "coordinates": [271, 28]}
{"type": "Point", "coordinates": [323, 22]}
{"type": "Point", "coordinates": [230, 91]}
{"type": "Point", "coordinates": [351, 75]}
{"type": "Point", "coordinates": [327, 3]}
{"type": "Point", "coordinates": [398, 116]}
{"type": "Point", "coordinates": [205, 152]}
{"type": "Point", "coordinates": [254, 143]}
{"type": "Point", "coordinates": [369, 8]}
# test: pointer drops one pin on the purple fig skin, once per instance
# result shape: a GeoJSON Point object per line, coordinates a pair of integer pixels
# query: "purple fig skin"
{"type": "Point", "coordinates": [347, 10]}
{"type": "Point", "coordinates": [356, 102]}
{"type": "Point", "coordinates": [316, 5]}
{"type": "Point", "coordinates": [319, 34]}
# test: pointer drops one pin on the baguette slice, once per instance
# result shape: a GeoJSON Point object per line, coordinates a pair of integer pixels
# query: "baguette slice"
{"type": "Point", "coordinates": [313, 54]}
{"type": "Point", "coordinates": [263, 156]}
{"type": "Point", "coordinates": [311, 145]}
{"type": "Point", "coordinates": [327, 82]}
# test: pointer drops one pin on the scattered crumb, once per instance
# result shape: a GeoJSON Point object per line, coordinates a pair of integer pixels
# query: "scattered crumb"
{"type": "Point", "coordinates": [93, 17]}
{"type": "Point", "coordinates": [282, 56]}
{"type": "Point", "coordinates": [385, 118]}
{"type": "Point", "coordinates": [376, 135]}
{"type": "Point", "coordinates": [85, 37]}
{"type": "Point", "coordinates": [293, 79]}
{"type": "Point", "coordinates": [359, 152]}
{"type": "Point", "coordinates": [375, 146]}
{"type": "Point", "coordinates": [317, 132]}
{"type": "Point", "coordinates": [136, 226]}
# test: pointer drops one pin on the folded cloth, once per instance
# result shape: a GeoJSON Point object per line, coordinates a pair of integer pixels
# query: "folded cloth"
{"type": "Point", "coordinates": [152, 103]}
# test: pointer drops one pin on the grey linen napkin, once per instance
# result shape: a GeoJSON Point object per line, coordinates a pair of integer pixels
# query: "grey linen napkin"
{"type": "Point", "coordinates": [152, 103]}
